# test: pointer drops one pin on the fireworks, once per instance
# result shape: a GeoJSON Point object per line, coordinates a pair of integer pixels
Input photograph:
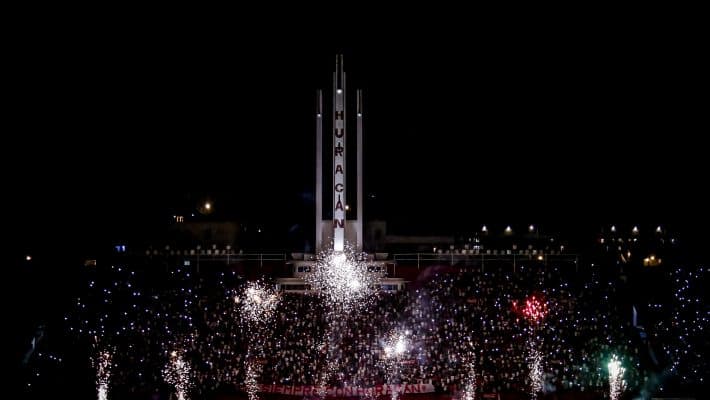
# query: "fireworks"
{"type": "Point", "coordinates": [535, 374]}
{"type": "Point", "coordinates": [328, 370]}
{"type": "Point", "coordinates": [469, 384]}
{"type": "Point", "coordinates": [102, 392]}
{"type": "Point", "coordinates": [258, 303]}
{"type": "Point", "coordinates": [535, 309]}
{"type": "Point", "coordinates": [248, 333]}
{"type": "Point", "coordinates": [395, 346]}
{"type": "Point", "coordinates": [617, 384]}
{"type": "Point", "coordinates": [342, 279]}
{"type": "Point", "coordinates": [251, 381]}
{"type": "Point", "coordinates": [177, 373]}
{"type": "Point", "coordinates": [103, 374]}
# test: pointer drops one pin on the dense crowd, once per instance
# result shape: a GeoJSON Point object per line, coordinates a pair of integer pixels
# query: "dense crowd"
{"type": "Point", "coordinates": [456, 321]}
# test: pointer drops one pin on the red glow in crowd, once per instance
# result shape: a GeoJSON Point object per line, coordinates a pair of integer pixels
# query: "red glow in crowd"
{"type": "Point", "coordinates": [535, 309]}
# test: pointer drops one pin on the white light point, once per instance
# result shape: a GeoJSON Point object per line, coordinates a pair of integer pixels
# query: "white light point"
{"type": "Point", "coordinates": [401, 346]}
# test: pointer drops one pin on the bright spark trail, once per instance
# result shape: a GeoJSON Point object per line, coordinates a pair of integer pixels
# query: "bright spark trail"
{"type": "Point", "coordinates": [469, 388]}
{"type": "Point", "coordinates": [617, 384]}
{"type": "Point", "coordinates": [177, 373]}
{"type": "Point", "coordinates": [251, 380]}
{"type": "Point", "coordinates": [395, 346]}
{"type": "Point", "coordinates": [103, 374]}
{"type": "Point", "coordinates": [344, 283]}
{"type": "Point", "coordinates": [257, 305]}
{"type": "Point", "coordinates": [535, 373]}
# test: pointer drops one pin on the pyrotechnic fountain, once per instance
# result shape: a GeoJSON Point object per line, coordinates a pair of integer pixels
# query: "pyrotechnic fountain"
{"type": "Point", "coordinates": [617, 384]}
{"type": "Point", "coordinates": [395, 346]}
{"type": "Point", "coordinates": [257, 305]}
{"type": "Point", "coordinates": [177, 373]}
{"type": "Point", "coordinates": [534, 311]}
{"type": "Point", "coordinates": [346, 286]}
{"type": "Point", "coordinates": [103, 374]}
{"type": "Point", "coordinates": [469, 388]}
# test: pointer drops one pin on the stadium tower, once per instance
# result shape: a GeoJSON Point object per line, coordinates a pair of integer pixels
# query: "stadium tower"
{"type": "Point", "coordinates": [339, 227]}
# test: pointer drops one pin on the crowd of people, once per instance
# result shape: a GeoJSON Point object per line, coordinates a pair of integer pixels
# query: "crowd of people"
{"type": "Point", "coordinates": [456, 323]}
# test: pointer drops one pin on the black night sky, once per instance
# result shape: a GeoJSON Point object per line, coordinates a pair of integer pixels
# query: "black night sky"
{"type": "Point", "coordinates": [116, 130]}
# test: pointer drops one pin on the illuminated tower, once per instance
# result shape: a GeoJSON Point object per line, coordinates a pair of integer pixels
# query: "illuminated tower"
{"type": "Point", "coordinates": [340, 228]}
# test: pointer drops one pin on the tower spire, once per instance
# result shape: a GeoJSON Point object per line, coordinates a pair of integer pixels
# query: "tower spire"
{"type": "Point", "coordinates": [336, 227]}
{"type": "Point", "coordinates": [339, 194]}
{"type": "Point", "coordinates": [339, 72]}
{"type": "Point", "coordinates": [319, 170]}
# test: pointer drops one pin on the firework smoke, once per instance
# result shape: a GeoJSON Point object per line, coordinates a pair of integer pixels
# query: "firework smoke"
{"type": "Point", "coordinates": [177, 373]}
{"type": "Point", "coordinates": [617, 384]}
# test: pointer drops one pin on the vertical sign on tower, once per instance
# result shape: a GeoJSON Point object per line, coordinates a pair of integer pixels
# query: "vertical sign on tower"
{"type": "Point", "coordinates": [339, 157]}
